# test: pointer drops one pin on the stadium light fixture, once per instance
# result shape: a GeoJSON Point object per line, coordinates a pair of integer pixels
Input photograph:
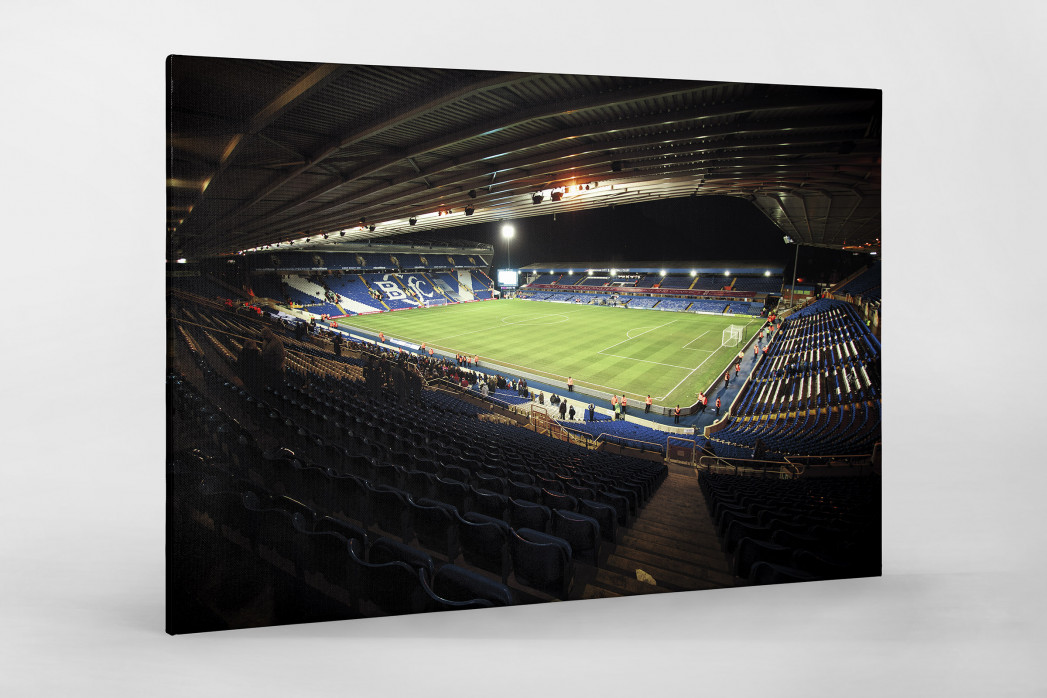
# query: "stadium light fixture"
{"type": "Point", "coordinates": [694, 273]}
{"type": "Point", "coordinates": [570, 271]}
{"type": "Point", "coordinates": [663, 272]}
{"type": "Point", "coordinates": [372, 227]}
{"type": "Point", "coordinates": [180, 261]}
{"type": "Point", "coordinates": [507, 232]}
{"type": "Point", "coordinates": [537, 199]}
{"type": "Point", "coordinates": [767, 273]}
{"type": "Point", "coordinates": [469, 210]}
{"type": "Point", "coordinates": [341, 233]}
{"type": "Point", "coordinates": [412, 220]}
{"type": "Point", "coordinates": [556, 196]}
{"type": "Point", "coordinates": [727, 273]}
{"type": "Point", "coordinates": [613, 272]}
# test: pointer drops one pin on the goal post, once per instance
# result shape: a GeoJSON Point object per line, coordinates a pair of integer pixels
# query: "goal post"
{"type": "Point", "coordinates": [732, 336]}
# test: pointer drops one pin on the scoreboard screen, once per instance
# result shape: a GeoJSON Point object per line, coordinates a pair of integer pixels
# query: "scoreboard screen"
{"type": "Point", "coordinates": [508, 278]}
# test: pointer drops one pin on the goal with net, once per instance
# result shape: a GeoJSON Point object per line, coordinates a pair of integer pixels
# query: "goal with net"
{"type": "Point", "coordinates": [732, 336]}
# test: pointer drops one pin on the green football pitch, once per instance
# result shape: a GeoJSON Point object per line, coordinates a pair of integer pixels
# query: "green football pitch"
{"type": "Point", "coordinates": [669, 355]}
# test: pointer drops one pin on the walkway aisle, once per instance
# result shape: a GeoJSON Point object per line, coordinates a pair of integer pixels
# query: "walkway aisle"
{"type": "Point", "coordinates": [672, 540]}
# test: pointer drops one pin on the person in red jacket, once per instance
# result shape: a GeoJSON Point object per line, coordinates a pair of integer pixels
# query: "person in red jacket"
{"type": "Point", "coordinates": [717, 406]}
{"type": "Point", "coordinates": [737, 369]}
{"type": "Point", "coordinates": [701, 402]}
{"type": "Point", "coordinates": [726, 379]}
{"type": "Point", "coordinates": [625, 403]}
{"type": "Point", "coordinates": [676, 414]}
{"type": "Point", "coordinates": [570, 384]}
{"type": "Point", "coordinates": [647, 405]}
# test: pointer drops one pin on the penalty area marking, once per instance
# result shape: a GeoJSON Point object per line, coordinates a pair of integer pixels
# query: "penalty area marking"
{"type": "Point", "coordinates": [688, 345]}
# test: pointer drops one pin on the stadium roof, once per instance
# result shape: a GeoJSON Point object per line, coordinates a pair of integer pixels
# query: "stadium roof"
{"type": "Point", "coordinates": [261, 152]}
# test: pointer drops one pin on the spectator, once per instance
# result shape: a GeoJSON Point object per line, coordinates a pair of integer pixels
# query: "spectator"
{"type": "Point", "coordinates": [249, 365]}
{"type": "Point", "coordinates": [272, 358]}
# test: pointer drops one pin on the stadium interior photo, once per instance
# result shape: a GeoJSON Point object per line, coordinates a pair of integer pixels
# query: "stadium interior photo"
{"type": "Point", "coordinates": [455, 339]}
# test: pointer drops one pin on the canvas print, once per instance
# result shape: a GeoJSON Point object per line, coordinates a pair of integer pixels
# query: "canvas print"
{"type": "Point", "coordinates": [447, 340]}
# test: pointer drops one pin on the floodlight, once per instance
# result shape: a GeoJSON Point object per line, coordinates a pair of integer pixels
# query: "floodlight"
{"type": "Point", "coordinates": [727, 273]}
{"type": "Point", "coordinates": [767, 273]}
{"type": "Point", "coordinates": [536, 199]}
{"type": "Point", "coordinates": [412, 220]}
{"type": "Point", "coordinates": [469, 210]}
{"type": "Point", "coordinates": [556, 196]}
{"type": "Point", "coordinates": [663, 272]}
{"type": "Point", "coordinates": [694, 273]}
{"type": "Point", "coordinates": [371, 228]}
{"type": "Point", "coordinates": [508, 231]}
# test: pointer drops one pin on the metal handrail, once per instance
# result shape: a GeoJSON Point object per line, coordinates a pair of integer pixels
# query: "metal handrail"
{"type": "Point", "coordinates": [657, 446]}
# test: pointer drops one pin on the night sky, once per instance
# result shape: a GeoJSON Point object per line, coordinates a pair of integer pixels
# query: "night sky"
{"type": "Point", "coordinates": [689, 228]}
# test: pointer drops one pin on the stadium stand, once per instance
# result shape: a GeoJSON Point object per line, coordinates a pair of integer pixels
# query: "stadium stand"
{"type": "Point", "coordinates": [866, 285]}
{"type": "Point", "coordinates": [787, 530]}
{"type": "Point", "coordinates": [327, 431]}
{"type": "Point", "coordinates": [759, 284]}
{"type": "Point", "coordinates": [707, 306]}
{"type": "Point", "coordinates": [710, 283]}
{"type": "Point", "coordinates": [673, 304]}
{"type": "Point", "coordinates": [816, 391]}
{"type": "Point", "coordinates": [676, 282]}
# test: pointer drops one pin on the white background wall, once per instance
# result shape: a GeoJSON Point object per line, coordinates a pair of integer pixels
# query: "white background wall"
{"type": "Point", "coordinates": [959, 610]}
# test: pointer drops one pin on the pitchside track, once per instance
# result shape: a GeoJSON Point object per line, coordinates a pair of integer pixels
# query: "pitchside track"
{"type": "Point", "coordinates": [670, 355]}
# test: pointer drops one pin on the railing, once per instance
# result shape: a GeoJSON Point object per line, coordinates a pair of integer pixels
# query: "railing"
{"type": "Point", "coordinates": [615, 438]}
{"type": "Point", "coordinates": [749, 468]}
{"type": "Point", "coordinates": [791, 467]}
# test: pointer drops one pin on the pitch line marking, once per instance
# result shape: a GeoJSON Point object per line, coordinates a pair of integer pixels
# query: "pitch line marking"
{"type": "Point", "coordinates": [696, 339]}
{"type": "Point", "coordinates": [688, 375]}
{"type": "Point", "coordinates": [646, 361]}
{"type": "Point", "coordinates": [627, 339]}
